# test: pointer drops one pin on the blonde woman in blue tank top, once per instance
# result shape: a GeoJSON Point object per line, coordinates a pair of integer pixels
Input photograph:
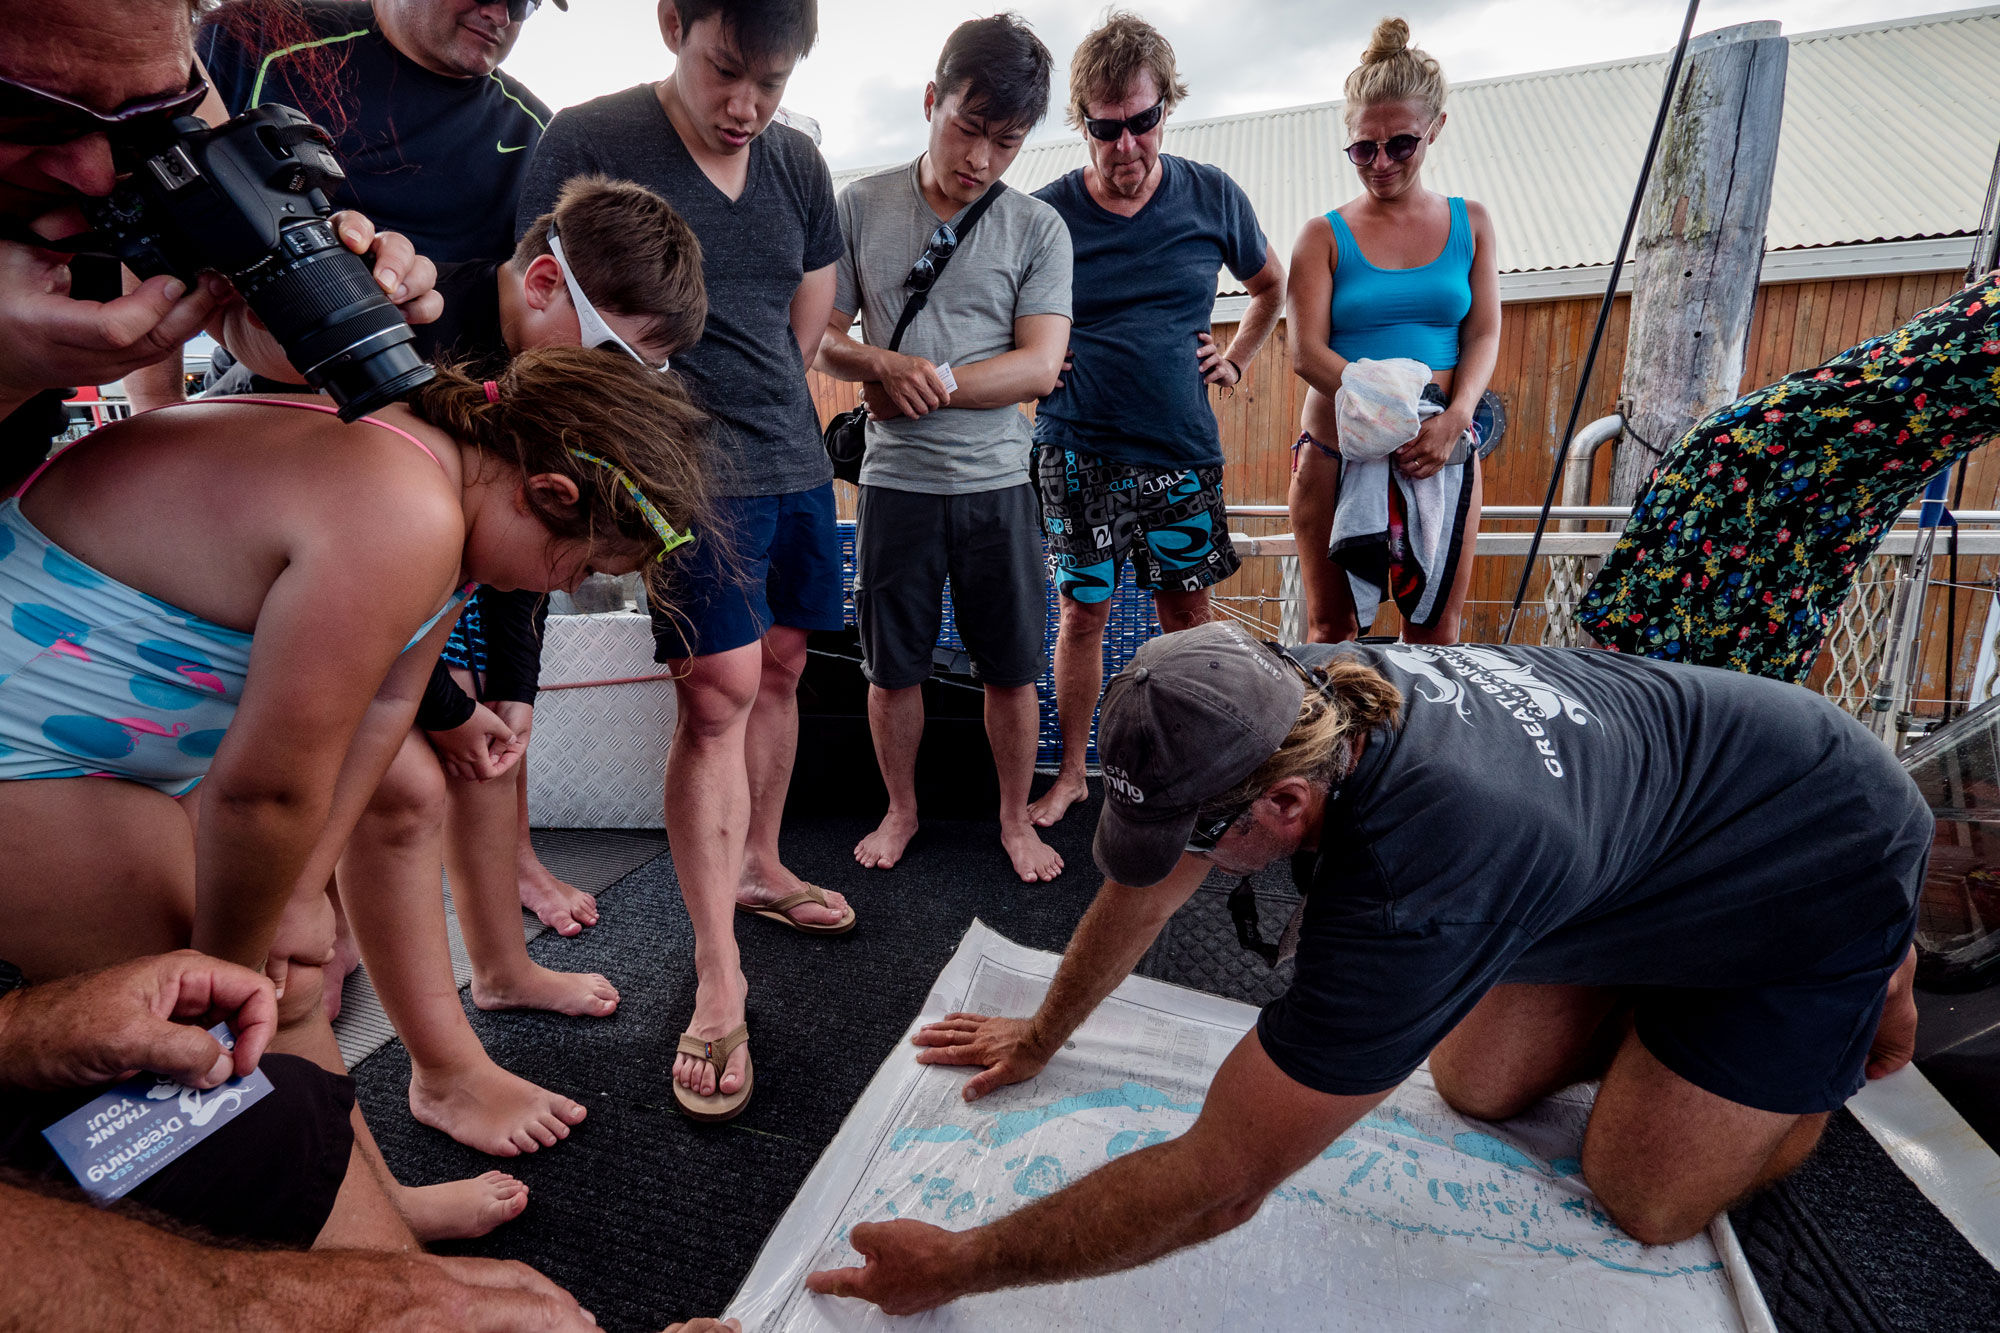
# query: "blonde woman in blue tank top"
{"type": "Point", "coordinates": [1398, 271]}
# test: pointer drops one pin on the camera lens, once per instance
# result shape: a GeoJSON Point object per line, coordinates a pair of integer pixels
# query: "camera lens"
{"type": "Point", "coordinates": [322, 304]}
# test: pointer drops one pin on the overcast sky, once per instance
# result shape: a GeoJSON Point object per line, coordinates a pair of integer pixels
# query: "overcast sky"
{"type": "Point", "coordinates": [864, 82]}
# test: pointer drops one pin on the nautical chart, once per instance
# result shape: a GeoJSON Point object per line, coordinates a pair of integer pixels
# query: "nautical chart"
{"type": "Point", "coordinates": [1415, 1219]}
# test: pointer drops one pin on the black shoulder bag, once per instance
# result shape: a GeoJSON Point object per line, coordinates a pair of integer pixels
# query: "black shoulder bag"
{"type": "Point", "coordinates": [846, 436]}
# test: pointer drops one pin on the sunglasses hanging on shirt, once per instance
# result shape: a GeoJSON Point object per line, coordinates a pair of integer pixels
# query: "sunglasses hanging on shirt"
{"type": "Point", "coordinates": [1110, 129]}
{"type": "Point", "coordinates": [942, 245]}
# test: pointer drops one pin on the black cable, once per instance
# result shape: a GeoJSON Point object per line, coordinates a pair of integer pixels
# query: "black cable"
{"type": "Point", "coordinates": [1603, 316]}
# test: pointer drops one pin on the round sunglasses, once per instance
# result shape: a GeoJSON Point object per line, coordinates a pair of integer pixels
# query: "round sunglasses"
{"type": "Point", "coordinates": [34, 118]}
{"type": "Point", "coordinates": [1399, 147]}
{"type": "Point", "coordinates": [1110, 129]}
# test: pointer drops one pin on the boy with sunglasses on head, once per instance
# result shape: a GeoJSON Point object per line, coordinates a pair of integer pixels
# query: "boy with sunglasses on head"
{"type": "Point", "coordinates": [944, 483]}
{"type": "Point", "coordinates": [760, 198]}
{"type": "Point", "coordinates": [1127, 456]}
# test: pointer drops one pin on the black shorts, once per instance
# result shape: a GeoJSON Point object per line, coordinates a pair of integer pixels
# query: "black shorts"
{"type": "Point", "coordinates": [907, 544]}
{"type": "Point", "coordinates": [269, 1176]}
{"type": "Point", "coordinates": [1792, 1047]}
{"type": "Point", "coordinates": [1098, 513]}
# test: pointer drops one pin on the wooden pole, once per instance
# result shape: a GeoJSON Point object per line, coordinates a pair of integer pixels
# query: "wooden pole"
{"type": "Point", "coordinates": [1701, 244]}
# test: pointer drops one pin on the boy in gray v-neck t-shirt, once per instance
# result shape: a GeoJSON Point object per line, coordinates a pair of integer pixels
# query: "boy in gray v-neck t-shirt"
{"type": "Point", "coordinates": [746, 371]}
{"type": "Point", "coordinates": [1014, 263]}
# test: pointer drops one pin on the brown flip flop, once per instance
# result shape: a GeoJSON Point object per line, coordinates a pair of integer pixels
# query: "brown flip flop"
{"type": "Point", "coordinates": [717, 1105]}
{"type": "Point", "coordinates": [780, 912]}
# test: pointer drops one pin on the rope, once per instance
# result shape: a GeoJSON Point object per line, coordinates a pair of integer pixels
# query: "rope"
{"type": "Point", "coordinates": [1603, 317]}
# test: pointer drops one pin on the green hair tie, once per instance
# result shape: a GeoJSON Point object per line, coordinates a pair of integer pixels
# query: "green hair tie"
{"type": "Point", "coordinates": [654, 518]}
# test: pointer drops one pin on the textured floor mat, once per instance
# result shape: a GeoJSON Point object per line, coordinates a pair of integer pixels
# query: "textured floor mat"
{"type": "Point", "coordinates": [1848, 1242]}
{"type": "Point", "coordinates": [649, 1217]}
{"type": "Point", "coordinates": [588, 859]}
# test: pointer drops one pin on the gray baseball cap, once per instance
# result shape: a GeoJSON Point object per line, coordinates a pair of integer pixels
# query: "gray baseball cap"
{"type": "Point", "coordinates": [1194, 714]}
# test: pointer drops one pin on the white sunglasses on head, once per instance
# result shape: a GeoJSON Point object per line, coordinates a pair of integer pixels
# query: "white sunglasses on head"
{"type": "Point", "coordinates": [596, 333]}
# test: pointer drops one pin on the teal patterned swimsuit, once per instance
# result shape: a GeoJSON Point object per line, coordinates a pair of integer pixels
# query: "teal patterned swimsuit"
{"type": "Point", "coordinates": [1745, 545]}
{"type": "Point", "coordinates": [99, 679]}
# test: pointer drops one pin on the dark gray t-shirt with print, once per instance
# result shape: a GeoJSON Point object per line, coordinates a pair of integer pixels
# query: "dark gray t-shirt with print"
{"type": "Point", "coordinates": [747, 371]}
{"type": "Point", "coordinates": [1581, 817]}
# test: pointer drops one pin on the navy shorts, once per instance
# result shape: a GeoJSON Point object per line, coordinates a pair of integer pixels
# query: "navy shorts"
{"type": "Point", "coordinates": [907, 544]}
{"type": "Point", "coordinates": [775, 562]}
{"type": "Point", "coordinates": [1793, 1047]}
{"type": "Point", "coordinates": [1099, 513]}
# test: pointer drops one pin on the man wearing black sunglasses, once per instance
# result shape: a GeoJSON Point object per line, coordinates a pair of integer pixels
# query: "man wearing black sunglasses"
{"type": "Point", "coordinates": [1128, 458]}
{"type": "Point", "coordinates": [1533, 866]}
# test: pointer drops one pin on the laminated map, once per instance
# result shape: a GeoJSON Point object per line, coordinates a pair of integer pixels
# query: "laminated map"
{"type": "Point", "coordinates": [1417, 1218]}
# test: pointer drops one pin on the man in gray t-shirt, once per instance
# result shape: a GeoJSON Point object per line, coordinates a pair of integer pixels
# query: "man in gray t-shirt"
{"type": "Point", "coordinates": [745, 596]}
{"type": "Point", "coordinates": [945, 492]}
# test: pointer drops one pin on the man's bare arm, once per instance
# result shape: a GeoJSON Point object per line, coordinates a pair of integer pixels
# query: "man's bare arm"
{"type": "Point", "coordinates": [74, 1268]}
{"type": "Point", "coordinates": [1117, 930]}
{"type": "Point", "coordinates": [1267, 301]}
{"type": "Point", "coordinates": [1256, 1128]}
{"type": "Point", "coordinates": [1026, 373]}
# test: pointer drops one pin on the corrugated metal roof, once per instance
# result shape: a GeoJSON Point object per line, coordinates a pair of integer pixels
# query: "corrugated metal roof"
{"type": "Point", "coordinates": [1889, 133]}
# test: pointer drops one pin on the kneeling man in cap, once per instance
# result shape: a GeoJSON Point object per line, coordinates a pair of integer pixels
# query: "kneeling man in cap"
{"type": "Point", "coordinates": [1533, 866]}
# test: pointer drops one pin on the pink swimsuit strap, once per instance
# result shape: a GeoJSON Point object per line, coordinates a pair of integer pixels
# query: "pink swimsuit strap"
{"type": "Point", "coordinates": [322, 407]}
{"type": "Point", "coordinates": [259, 402]}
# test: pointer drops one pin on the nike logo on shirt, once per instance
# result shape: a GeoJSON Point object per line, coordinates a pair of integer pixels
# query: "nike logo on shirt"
{"type": "Point", "coordinates": [501, 147]}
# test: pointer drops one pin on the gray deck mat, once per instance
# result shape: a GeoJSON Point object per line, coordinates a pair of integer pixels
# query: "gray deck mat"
{"type": "Point", "coordinates": [649, 1218]}
{"type": "Point", "coordinates": [589, 859]}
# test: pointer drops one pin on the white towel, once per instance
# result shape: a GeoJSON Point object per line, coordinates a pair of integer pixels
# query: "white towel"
{"type": "Point", "coordinates": [1377, 401]}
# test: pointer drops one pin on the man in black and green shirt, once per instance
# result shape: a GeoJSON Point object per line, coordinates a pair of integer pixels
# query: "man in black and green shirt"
{"type": "Point", "coordinates": [434, 138]}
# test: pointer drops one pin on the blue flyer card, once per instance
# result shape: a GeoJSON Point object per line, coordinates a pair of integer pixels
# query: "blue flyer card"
{"type": "Point", "coordinates": [120, 1138]}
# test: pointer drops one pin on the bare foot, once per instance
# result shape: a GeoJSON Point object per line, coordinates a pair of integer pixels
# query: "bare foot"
{"type": "Point", "coordinates": [346, 957]}
{"type": "Point", "coordinates": [1896, 1034]}
{"type": "Point", "coordinates": [881, 849]}
{"type": "Point", "coordinates": [563, 909]}
{"type": "Point", "coordinates": [579, 994]}
{"type": "Point", "coordinates": [767, 884]}
{"type": "Point", "coordinates": [460, 1209]}
{"type": "Point", "coordinates": [485, 1107]}
{"type": "Point", "coordinates": [1054, 803]}
{"type": "Point", "coordinates": [718, 1009]}
{"type": "Point", "coordinates": [1034, 860]}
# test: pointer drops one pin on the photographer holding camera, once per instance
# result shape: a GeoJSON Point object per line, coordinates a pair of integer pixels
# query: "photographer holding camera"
{"type": "Point", "coordinates": [82, 76]}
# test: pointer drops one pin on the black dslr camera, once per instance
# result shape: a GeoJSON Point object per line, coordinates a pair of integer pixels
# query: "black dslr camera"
{"type": "Point", "coordinates": [248, 199]}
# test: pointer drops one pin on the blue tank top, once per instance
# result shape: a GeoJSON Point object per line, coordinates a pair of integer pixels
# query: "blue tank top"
{"type": "Point", "coordinates": [1380, 313]}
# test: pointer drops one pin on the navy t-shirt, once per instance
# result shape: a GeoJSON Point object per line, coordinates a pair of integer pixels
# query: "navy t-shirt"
{"type": "Point", "coordinates": [1143, 287]}
{"type": "Point", "coordinates": [1580, 817]}
{"type": "Point", "coordinates": [439, 159]}
{"type": "Point", "coordinates": [747, 371]}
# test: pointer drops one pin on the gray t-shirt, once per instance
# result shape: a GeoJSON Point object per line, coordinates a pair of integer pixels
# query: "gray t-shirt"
{"type": "Point", "coordinates": [746, 371]}
{"type": "Point", "coordinates": [1014, 263]}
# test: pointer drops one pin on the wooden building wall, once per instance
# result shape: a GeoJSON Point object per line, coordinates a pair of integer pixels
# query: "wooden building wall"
{"type": "Point", "coordinates": [1542, 349]}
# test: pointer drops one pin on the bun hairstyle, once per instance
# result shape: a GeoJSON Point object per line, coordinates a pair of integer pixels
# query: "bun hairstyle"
{"type": "Point", "coordinates": [551, 402]}
{"type": "Point", "coordinates": [1391, 70]}
{"type": "Point", "coordinates": [1318, 746]}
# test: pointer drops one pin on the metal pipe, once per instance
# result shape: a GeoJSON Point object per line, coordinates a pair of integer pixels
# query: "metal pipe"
{"type": "Point", "coordinates": [1581, 461]}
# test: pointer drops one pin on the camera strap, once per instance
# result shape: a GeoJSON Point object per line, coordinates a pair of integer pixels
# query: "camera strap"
{"type": "Point", "coordinates": [918, 300]}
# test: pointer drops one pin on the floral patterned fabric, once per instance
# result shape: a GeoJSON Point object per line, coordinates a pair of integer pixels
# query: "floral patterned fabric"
{"type": "Point", "coordinates": [1744, 547]}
